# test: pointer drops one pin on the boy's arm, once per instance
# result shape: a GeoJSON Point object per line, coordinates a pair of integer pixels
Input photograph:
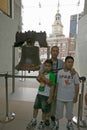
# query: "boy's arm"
{"type": "Point", "coordinates": [76, 93]}
{"type": "Point", "coordinates": [55, 91]}
{"type": "Point", "coordinates": [45, 80]}
{"type": "Point", "coordinates": [42, 78]}
{"type": "Point", "coordinates": [51, 94]}
{"type": "Point", "coordinates": [38, 78]}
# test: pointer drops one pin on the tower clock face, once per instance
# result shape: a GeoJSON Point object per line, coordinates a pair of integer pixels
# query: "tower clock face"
{"type": "Point", "coordinates": [59, 28]}
{"type": "Point", "coordinates": [57, 21]}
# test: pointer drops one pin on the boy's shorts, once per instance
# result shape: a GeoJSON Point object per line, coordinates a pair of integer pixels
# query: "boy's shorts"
{"type": "Point", "coordinates": [60, 109]}
{"type": "Point", "coordinates": [41, 103]}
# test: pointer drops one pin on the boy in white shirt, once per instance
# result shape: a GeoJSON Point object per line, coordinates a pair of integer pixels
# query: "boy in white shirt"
{"type": "Point", "coordinates": [66, 93]}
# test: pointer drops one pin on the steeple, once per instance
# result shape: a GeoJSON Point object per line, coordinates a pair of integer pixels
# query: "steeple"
{"type": "Point", "coordinates": [58, 15]}
{"type": "Point", "coordinates": [57, 27]}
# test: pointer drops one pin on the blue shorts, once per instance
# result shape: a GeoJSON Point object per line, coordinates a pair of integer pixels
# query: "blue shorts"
{"type": "Point", "coordinates": [41, 103]}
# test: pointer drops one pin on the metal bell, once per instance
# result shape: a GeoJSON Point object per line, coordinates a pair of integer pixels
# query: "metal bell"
{"type": "Point", "coordinates": [29, 59]}
{"type": "Point", "coordinates": [33, 36]}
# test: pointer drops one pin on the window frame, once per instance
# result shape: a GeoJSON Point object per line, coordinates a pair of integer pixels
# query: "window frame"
{"type": "Point", "coordinates": [9, 7]}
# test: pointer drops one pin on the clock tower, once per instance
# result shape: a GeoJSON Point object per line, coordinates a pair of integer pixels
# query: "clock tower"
{"type": "Point", "coordinates": [57, 27]}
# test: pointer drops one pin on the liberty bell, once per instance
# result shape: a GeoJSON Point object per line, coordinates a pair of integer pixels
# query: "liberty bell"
{"type": "Point", "coordinates": [30, 54]}
{"type": "Point", "coordinates": [29, 59]}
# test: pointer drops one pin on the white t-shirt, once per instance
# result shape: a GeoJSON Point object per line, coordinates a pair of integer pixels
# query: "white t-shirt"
{"type": "Point", "coordinates": [46, 90]}
{"type": "Point", "coordinates": [66, 85]}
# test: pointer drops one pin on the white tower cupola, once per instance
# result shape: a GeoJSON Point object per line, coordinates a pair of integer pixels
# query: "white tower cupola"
{"type": "Point", "coordinates": [57, 27]}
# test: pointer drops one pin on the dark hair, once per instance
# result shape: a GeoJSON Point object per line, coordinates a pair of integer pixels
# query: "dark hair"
{"type": "Point", "coordinates": [55, 47]}
{"type": "Point", "coordinates": [69, 57]}
{"type": "Point", "coordinates": [49, 61]}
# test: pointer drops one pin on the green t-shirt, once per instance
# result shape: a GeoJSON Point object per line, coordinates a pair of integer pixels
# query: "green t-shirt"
{"type": "Point", "coordinates": [51, 78]}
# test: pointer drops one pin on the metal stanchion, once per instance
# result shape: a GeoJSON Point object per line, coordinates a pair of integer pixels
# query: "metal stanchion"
{"type": "Point", "coordinates": [13, 69]}
{"type": "Point", "coordinates": [9, 116]}
{"type": "Point", "coordinates": [79, 120]}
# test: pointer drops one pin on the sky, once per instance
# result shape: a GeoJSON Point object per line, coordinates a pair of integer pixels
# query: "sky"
{"type": "Point", "coordinates": [40, 17]}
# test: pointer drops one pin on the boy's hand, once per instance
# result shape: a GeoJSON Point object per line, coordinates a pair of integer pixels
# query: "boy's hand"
{"type": "Point", "coordinates": [75, 99]}
{"type": "Point", "coordinates": [49, 100]}
{"type": "Point", "coordinates": [42, 84]}
{"type": "Point", "coordinates": [41, 75]}
{"type": "Point", "coordinates": [45, 80]}
{"type": "Point", "coordinates": [55, 96]}
{"type": "Point", "coordinates": [73, 72]}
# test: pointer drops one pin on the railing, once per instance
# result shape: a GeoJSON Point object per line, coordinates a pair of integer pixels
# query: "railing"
{"type": "Point", "coordinates": [79, 120]}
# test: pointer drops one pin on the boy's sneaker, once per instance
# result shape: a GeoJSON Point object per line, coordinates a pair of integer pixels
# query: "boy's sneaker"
{"type": "Point", "coordinates": [32, 123]}
{"type": "Point", "coordinates": [41, 125]}
{"type": "Point", "coordinates": [54, 125]}
{"type": "Point", "coordinates": [52, 118]}
{"type": "Point", "coordinates": [70, 126]}
{"type": "Point", "coordinates": [47, 122]}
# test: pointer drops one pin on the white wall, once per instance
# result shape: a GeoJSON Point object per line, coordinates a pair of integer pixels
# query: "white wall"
{"type": "Point", "coordinates": [82, 46]}
{"type": "Point", "coordinates": [8, 28]}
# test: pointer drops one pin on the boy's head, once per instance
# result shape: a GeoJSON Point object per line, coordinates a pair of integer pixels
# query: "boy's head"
{"type": "Point", "coordinates": [48, 65]}
{"type": "Point", "coordinates": [69, 60]}
{"type": "Point", "coordinates": [54, 52]}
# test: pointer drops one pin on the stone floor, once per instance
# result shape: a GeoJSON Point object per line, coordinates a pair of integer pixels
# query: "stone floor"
{"type": "Point", "coordinates": [21, 103]}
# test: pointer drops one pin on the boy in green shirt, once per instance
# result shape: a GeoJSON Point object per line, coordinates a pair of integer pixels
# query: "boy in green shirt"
{"type": "Point", "coordinates": [44, 96]}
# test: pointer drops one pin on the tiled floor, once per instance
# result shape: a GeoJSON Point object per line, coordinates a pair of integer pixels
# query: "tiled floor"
{"type": "Point", "coordinates": [21, 103]}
